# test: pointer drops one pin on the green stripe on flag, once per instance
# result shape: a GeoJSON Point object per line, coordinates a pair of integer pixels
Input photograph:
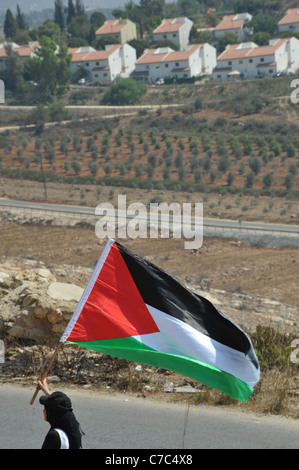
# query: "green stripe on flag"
{"type": "Point", "coordinates": [134, 350]}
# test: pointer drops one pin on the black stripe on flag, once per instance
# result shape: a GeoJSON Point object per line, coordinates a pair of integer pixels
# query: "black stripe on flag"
{"type": "Point", "coordinates": [162, 291]}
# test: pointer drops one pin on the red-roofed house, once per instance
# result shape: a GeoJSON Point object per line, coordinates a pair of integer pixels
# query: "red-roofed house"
{"type": "Point", "coordinates": [123, 30]}
{"type": "Point", "coordinates": [247, 60]}
{"type": "Point", "coordinates": [233, 24]}
{"type": "Point", "coordinates": [176, 30]}
{"type": "Point", "coordinates": [164, 62]}
{"type": "Point", "coordinates": [23, 51]}
{"type": "Point", "coordinates": [117, 60]}
{"type": "Point", "coordinates": [290, 22]}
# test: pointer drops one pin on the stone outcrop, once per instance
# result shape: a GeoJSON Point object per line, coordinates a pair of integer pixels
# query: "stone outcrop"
{"type": "Point", "coordinates": [33, 305]}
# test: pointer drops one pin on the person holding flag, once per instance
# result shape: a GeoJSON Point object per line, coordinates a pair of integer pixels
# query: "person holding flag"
{"type": "Point", "coordinates": [65, 431]}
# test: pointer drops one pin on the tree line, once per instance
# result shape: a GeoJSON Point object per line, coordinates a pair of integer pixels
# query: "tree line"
{"type": "Point", "coordinates": [68, 24]}
{"type": "Point", "coordinates": [72, 24]}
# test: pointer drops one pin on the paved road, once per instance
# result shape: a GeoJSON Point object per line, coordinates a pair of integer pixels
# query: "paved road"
{"type": "Point", "coordinates": [253, 232]}
{"type": "Point", "coordinates": [125, 422]}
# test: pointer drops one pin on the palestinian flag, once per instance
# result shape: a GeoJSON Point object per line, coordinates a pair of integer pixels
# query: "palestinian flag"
{"type": "Point", "coordinates": [132, 309]}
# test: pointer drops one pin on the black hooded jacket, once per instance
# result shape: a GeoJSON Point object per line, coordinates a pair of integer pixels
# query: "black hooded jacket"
{"type": "Point", "coordinates": [61, 417]}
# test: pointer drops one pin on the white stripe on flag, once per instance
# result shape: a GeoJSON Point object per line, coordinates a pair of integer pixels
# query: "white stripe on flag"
{"type": "Point", "coordinates": [176, 337]}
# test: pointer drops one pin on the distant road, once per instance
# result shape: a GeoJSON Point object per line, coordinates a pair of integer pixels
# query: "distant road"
{"type": "Point", "coordinates": [255, 232]}
{"type": "Point", "coordinates": [99, 107]}
{"type": "Point", "coordinates": [112, 110]}
{"type": "Point", "coordinates": [119, 421]}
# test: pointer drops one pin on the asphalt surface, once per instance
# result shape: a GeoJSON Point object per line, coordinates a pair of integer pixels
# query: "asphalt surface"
{"type": "Point", "coordinates": [117, 422]}
{"type": "Point", "coordinates": [251, 232]}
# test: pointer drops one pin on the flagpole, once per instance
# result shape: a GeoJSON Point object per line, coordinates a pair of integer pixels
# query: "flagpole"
{"type": "Point", "coordinates": [46, 371]}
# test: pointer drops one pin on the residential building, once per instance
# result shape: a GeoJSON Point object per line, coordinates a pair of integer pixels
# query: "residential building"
{"type": "Point", "coordinates": [24, 52]}
{"type": "Point", "coordinates": [164, 62]}
{"type": "Point", "coordinates": [176, 30]}
{"type": "Point", "coordinates": [247, 60]}
{"type": "Point", "coordinates": [290, 22]}
{"type": "Point", "coordinates": [123, 30]}
{"type": "Point", "coordinates": [117, 60]}
{"type": "Point", "coordinates": [235, 24]}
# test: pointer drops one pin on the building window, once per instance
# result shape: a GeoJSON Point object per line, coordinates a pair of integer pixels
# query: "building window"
{"type": "Point", "coordinates": [241, 61]}
{"type": "Point", "coordinates": [166, 65]}
{"type": "Point", "coordinates": [177, 64]}
{"type": "Point", "coordinates": [97, 63]}
{"type": "Point", "coordinates": [87, 64]}
{"type": "Point", "coordinates": [250, 61]}
{"type": "Point", "coordinates": [174, 35]}
{"type": "Point", "coordinates": [262, 59]}
{"type": "Point", "coordinates": [229, 62]}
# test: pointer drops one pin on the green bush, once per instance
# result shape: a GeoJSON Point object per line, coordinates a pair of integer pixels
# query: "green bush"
{"type": "Point", "coordinates": [125, 91]}
{"type": "Point", "coordinates": [273, 348]}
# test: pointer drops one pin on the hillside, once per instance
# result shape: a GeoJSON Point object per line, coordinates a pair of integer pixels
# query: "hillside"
{"type": "Point", "coordinates": [237, 142]}
{"type": "Point", "coordinates": [244, 280]}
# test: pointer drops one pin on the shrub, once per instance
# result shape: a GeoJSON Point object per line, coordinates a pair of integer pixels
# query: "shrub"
{"type": "Point", "coordinates": [268, 179]}
{"type": "Point", "coordinates": [124, 91]}
{"type": "Point", "coordinates": [76, 166]}
{"type": "Point", "coordinates": [249, 180]}
{"type": "Point", "coordinates": [289, 180]}
{"type": "Point", "coordinates": [273, 348]}
{"type": "Point", "coordinates": [255, 164]}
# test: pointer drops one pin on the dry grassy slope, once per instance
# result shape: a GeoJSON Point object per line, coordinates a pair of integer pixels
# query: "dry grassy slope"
{"type": "Point", "coordinates": [22, 153]}
{"type": "Point", "coordinates": [252, 284]}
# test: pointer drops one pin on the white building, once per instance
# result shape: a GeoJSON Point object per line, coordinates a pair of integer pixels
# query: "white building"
{"type": "Point", "coordinates": [235, 24]}
{"type": "Point", "coordinates": [176, 30]}
{"type": "Point", "coordinates": [290, 22]}
{"type": "Point", "coordinates": [247, 60]}
{"type": "Point", "coordinates": [24, 52]}
{"type": "Point", "coordinates": [115, 61]}
{"type": "Point", "coordinates": [123, 30]}
{"type": "Point", "coordinates": [197, 59]}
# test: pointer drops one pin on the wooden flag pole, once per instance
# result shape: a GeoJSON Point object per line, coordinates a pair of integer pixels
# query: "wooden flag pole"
{"type": "Point", "coordinates": [46, 372]}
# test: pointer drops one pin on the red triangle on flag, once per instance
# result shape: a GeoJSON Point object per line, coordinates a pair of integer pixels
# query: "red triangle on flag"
{"type": "Point", "coordinates": [114, 308]}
